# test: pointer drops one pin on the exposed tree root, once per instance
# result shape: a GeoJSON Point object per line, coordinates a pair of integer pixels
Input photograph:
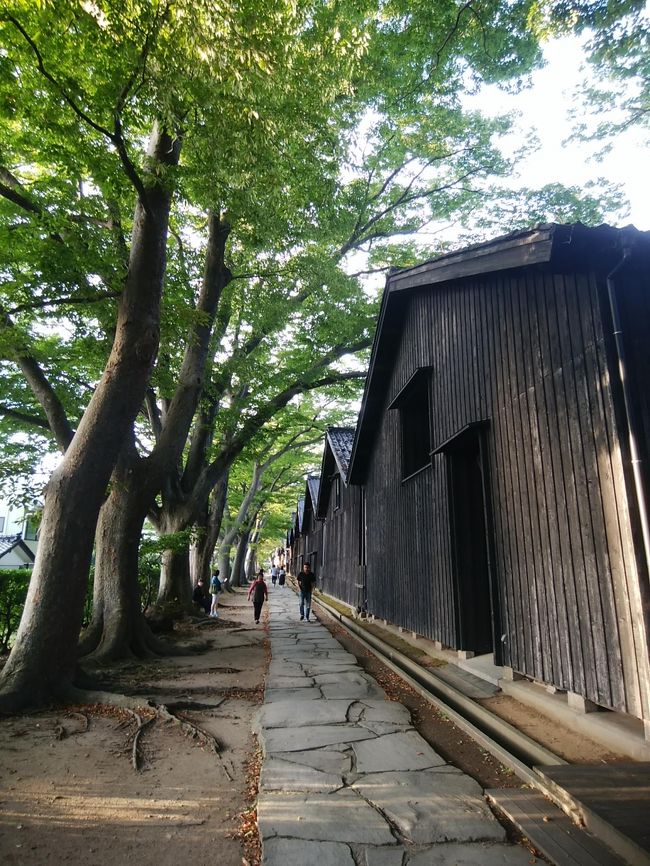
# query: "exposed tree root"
{"type": "Point", "coordinates": [195, 732]}
{"type": "Point", "coordinates": [136, 737]}
{"type": "Point", "coordinates": [61, 732]}
{"type": "Point", "coordinates": [75, 697]}
{"type": "Point", "coordinates": [83, 717]}
{"type": "Point", "coordinates": [110, 699]}
{"type": "Point", "coordinates": [192, 705]}
{"type": "Point", "coordinates": [102, 645]}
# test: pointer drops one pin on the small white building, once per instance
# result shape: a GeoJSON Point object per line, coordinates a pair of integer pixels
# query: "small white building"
{"type": "Point", "coordinates": [18, 537]}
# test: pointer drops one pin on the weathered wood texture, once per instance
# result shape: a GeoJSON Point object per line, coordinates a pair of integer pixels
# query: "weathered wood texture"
{"type": "Point", "coordinates": [340, 506]}
{"type": "Point", "coordinates": [613, 800]}
{"type": "Point", "coordinates": [311, 529]}
{"type": "Point", "coordinates": [298, 545]}
{"type": "Point", "coordinates": [341, 574]}
{"type": "Point", "coordinates": [525, 349]}
{"type": "Point", "coordinates": [551, 831]}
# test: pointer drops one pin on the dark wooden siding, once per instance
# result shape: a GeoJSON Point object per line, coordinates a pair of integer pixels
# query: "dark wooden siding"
{"type": "Point", "coordinates": [526, 352]}
{"type": "Point", "coordinates": [341, 573]}
{"type": "Point", "coordinates": [297, 554]}
{"type": "Point", "coordinates": [311, 542]}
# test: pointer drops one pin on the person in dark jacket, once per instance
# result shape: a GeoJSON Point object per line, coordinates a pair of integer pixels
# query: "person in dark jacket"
{"type": "Point", "coordinates": [306, 581]}
{"type": "Point", "coordinates": [200, 598]}
{"type": "Point", "coordinates": [259, 594]}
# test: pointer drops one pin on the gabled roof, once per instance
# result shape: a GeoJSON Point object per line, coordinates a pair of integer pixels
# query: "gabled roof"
{"type": "Point", "coordinates": [341, 440]}
{"type": "Point", "coordinates": [558, 248]}
{"type": "Point", "coordinates": [8, 543]}
{"type": "Point", "coordinates": [300, 512]}
{"type": "Point", "coordinates": [336, 460]}
{"type": "Point", "coordinates": [313, 485]}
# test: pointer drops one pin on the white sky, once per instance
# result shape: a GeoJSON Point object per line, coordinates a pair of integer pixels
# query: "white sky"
{"type": "Point", "coordinates": [545, 108]}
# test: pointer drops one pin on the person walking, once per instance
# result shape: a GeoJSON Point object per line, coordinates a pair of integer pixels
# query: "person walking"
{"type": "Point", "coordinates": [259, 593]}
{"type": "Point", "coordinates": [306, 581]}
{"type": "Point", "coordinates": [215, 592]}
{"type": "Point", "coordinates": [282, 577]}
{"type": "Point", "coordinates": [274, 574]}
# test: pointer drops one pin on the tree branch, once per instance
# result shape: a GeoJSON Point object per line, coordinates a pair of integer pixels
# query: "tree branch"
{"type": "Point", "coordinates": [251, 425]}
{"type": "Point", "coordinates": [43, 391]}
{"type": "Point", "coordinates": [403, 199]}
{"type": "Point", "coordinates": [24, 417]}
{"type": "Point", "coordinates": [46, 74]}
{"type": "Point", "coordinates": [57, 302]}
{"type": "Point", "coordinates": [116, 138]}
{"type": "Point", "coordinates": [11, 189]}
{"type": "Point", "coordinates": [153, 412]}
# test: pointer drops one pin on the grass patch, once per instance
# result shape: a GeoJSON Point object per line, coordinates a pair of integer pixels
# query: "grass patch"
{"type": "Point", "coordinates": [403, 646]}
{"type": "Point", "coordinates": [339, 606]}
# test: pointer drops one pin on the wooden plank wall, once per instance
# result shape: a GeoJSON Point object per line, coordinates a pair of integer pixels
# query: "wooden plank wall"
{"type": "Point", "coordinates": [297, 552]}
{"type": "Point", "coordinates": [312, 540]}
{"type": "Point", "coordinates": [341, 573]}
{"type": "Point", "coordinates": [528, 353]}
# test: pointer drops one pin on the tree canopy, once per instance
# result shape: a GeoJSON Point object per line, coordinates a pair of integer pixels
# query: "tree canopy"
{"type": "Point", "coordinates": [185, 192]}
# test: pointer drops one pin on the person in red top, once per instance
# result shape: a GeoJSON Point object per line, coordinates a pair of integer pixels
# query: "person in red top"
{"type": "Point", "coordinates": [259, 593]}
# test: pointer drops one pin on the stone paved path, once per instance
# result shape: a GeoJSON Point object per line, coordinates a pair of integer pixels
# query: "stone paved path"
{"type": "Point", "coordinates": [346, 780]}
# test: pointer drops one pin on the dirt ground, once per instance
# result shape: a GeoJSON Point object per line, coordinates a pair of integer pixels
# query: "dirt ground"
{"type": "Point", "coordinates": [569, 744]}
{"type": "Point", "coordinates": [69, 792]}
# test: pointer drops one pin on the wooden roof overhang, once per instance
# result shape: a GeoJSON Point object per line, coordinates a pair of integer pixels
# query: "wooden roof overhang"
{"type": "Point", "coordinates": [560, 248]}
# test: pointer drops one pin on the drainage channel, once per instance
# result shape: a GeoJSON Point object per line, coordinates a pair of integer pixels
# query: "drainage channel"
{"type": "Point", "coordinates": [504, 742]}
{"type": "Point", "coordinates": [514, 749]}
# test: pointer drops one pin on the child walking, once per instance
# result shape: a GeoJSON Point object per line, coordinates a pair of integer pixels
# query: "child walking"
{"type": "Point", "coordinates": [259, 593]}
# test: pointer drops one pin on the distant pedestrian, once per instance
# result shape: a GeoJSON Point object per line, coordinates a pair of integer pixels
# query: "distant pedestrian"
{"type": "Point", "coordinates": [281, 577]}
{"type": "Point", "coordinates": [259, 594]}
{"type": "Point", "coordinates": [199, 597]}
{"type": "Point", "coordinates": [306, 581]}
{"type": "Point", "coordinates": [274, 574]}
{"type": "Point", "coordinates": [215, 592]}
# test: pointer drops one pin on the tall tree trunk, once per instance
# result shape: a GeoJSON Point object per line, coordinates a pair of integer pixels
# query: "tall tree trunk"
{"type": "Point", "coordinates": [251, 553]}
{"type": "Point", "coordinates": [203, 548]}
{"type": "Point", "coordinates": [137, 481]}
{"type": "Point", "coordinates": [250, 565]}
{"type": "Point", "coordinates": [197, 566]}
{"type": "Point", "coordinates": [118, 628]}
{"type": "Point", "coordinates": [175, 582]}
{"type": "Point", "coordinates": [238, 573]}
{"type": "Point", "coordinates": [224, 563]}
{"type": "Point", "coordinates": [42, 664]}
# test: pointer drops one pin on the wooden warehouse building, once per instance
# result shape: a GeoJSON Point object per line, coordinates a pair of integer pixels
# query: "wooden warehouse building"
{"type": "Point", "coordinates": [296, 540]}
{"type": "Point", "coordinates": [341, 573]}
{"type": "Point", "coordinates": [502, 452]}
{"type": "Point", "coordinates": [307, 529]}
